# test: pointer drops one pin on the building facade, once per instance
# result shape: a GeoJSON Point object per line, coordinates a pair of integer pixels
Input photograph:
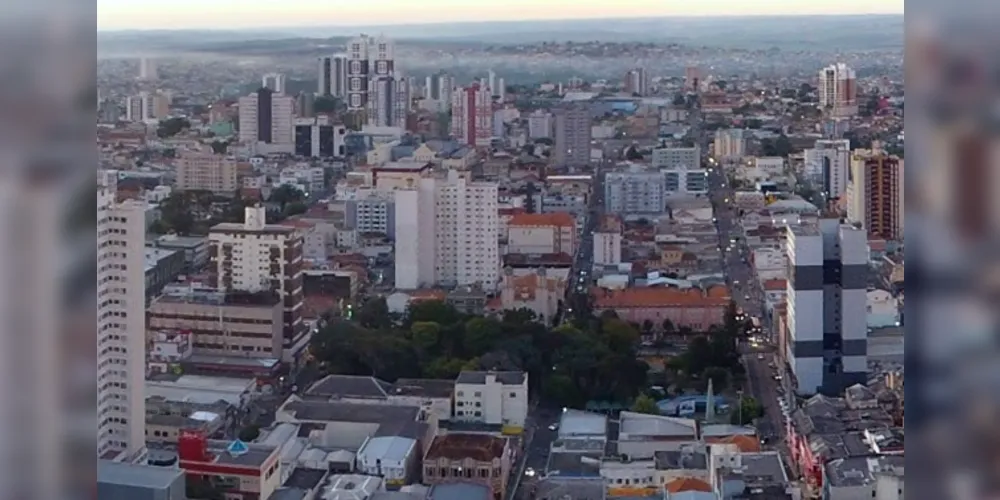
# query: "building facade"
{"type": "Point", "coordinates": [730, 144]}
{"type": "Point", "coordinates": [472, 115]}
{"type": "Point", "coordinates": [572, 135]}
{"type": "Point", "coordinates": [121, 327]}
{"type": "Point", "coordinates": [332, 76]}
{"type": "Point", "coordinates": [826, 314]}
{"type": "Point", "coordinates": [827, 164]}
{"type": "Point", "coordinates": [838, 92]}
{"type": "Point", "coordinates": [492, 398]}
{"type": "Point", "coordinates": [635, 192]}
{"type": "Point", "coordinates": [207, 172]}
{"type": "Point", "coordinates": [875, 193]}
{"type": "Point", "coordinates": [266, 117]}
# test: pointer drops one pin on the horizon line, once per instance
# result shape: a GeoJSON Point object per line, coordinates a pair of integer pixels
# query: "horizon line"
{"type": "Point", "coordinates": [408, 24]}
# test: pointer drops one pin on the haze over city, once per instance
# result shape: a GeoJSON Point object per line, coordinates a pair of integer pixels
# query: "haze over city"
{"type": "Point", "coordinates": [243, 14]}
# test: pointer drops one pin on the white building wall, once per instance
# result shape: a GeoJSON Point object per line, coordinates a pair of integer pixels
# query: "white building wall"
{"type": "Point", "coordinates": [408, 235]}
{"type": "Point", "coordinates": [121, 322]}
{"type": "Point", "coordinates": [607, 249]}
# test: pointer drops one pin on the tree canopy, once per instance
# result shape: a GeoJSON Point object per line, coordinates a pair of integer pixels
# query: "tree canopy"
{"type": "Point", "coordinates": [567, 365]}
{"type": "Point", "coordinates": [645, 404]}
{"type": "Point", "coordinates": [748, 410]}
{"type": "Point", "coordinates": [172, 126]}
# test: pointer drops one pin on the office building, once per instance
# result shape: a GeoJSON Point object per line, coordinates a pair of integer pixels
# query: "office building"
{"type": "Point", "coordinates": [118, 481]}
{"type": "Point", "coordinates": [492, 398]}
{"type": "Point", "coordinates": [636, 82]}
{"type": "Point", "coordinates": [472, 115]}
{"type": "Point", "coordinates": [572, 135]}
{"type": "Point", "coordinates": [730, 144]}
{"type": "Point", "coordinates": [683, 181]}
{"type": "Point", "coordinates": [635, 192]}
{"type": "Point", "coordinates": [827, 164]}
{"type": "Point", "coordinates": [388, 101]}
{"type": "Point", "coordinates": [275, 82]}
{"type": "Point", "coordinates": [305, 105]}
{"type": "Point", "coordinates": [608, 242]}
{"type": "Point", "coordinates": [838, 93]}
{"type": "Point", "coordinates": [121, 327]}
{"type": "Point", "coordinates": [677, 158]}
{"type": "Point", "coordinates": [256, 257]}
{"type": "Point", "coordinates": [501, 89]}
{"type": "Point", "coordinates": [371, 212]}
{"type": "Point", "coordinates": [826, 333]}
{"type": "Point", "coordinates": [320, 138]}
{"type": "Point", "coordinates": [205, 171]}
{"type": "Point", "coordinates": [368, 58]}
{"type": "Point", "coordinates": [332, 76]}
{"type": "Point", "coordinates": [447, 233]}
{"type": "Point", "coordinates": [147, 69]}
{"type": "Point", "coordinates": [540, 125]}
{"type": "Point", "coordinates": [266, 118]}
{"type": "Point", "coordinates": [875, 193]}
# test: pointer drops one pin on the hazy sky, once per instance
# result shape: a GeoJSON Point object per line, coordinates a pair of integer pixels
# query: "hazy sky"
{"type": "Point", "coordinates": [223, 14]}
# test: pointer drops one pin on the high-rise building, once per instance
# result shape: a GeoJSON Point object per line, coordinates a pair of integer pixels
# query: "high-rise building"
{"type": "Point", "coordinates": [275, 82]}
{"type": "Point", "coordinates": [255, 257]}
{"type": "Point", "coordinates": [472, 115]}
{"type": "Point", "coordinates": [692, 78]}
{"type": "Point", "coordinates": [121, 327]}
{"type": "Point", "coordinates": [540, 125]}
{"type": "Point", "coordinates": [332, 76]}
{"type": "Point", "coordinates": [305, 105]}
{"type": "Point", "coordinates": [147, 69]}
{"type": "Point", "coordinates": [501, 89]}
{"type": "Point", "coordinates": [368, 58]}
{"type": "Point", "coordinates": [439, 87]}
{"type": "Point", "coordinates": [200, 171]}
{"type": "Point", "coordinates": [491, 82]}
{"type": "Point", "coordinates": [874, 193]}
{"type": "Point", "coordinates": [447, 233]}
{"type": "Point", "coordinates": [266, 117]}
{"type": "Point", "coordinates": [827, 164]}
{"type": "Point", "coordinates": [319, 138]}
{"type": "Point", "coordinates": [636, 81]}
{"type": "Point", "coordinates": [388, 101]}
{"type": "Point", "coordinates": [826, 332]}
{"type": "Point", "coordinates": [838, 92]}
{"type": "Point", "coordinates": [730, 144]}
{"type": "Point", "coordinates": [635, 192]}
{"type": "Point", "coordinates": [572, 135]}
{"type": "Point", "coordinates": [146, 107]}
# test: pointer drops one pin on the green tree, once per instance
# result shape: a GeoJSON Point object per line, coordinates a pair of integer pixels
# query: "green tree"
{"type": "Point", "coordinates": [436, 311]}
{"type": "Point", "coordinates": [249, 433]}
{"type": "Point", "coordinates": [374, 313]}
{"type": "Point", "coordinates": [719, 377]}
{"type": "Point", "coordinates": [426, 335]}
{"type": "Point", "coordinates": [680, 100]}
{"type": "Point", "coordinates": [645, 404]}
{"type": "Point", "coordinates": [668, 326]}
{"type": "Point", "coordinates": [286, 194]}
{"type": "Point", "coordinates": [171, 127]}
{"type": "Point", "coordinates": [481, 335]}
{"type": "Point", "coordinates": [220, 147]}
{"type": "Point", "coordinates": [633, 154]}
{"type": "Point", "coordinates": [328, 104]}
{"type": "Point", "coordinates": [175, 214]}
{"type": "Point", "coordinates": [747, 410]}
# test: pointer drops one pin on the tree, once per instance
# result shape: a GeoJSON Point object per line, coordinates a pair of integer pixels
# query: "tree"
{"type": "Point", "coordinates": [286, 194]}
{"type": "Point", "coordinates": [719, 377]}
{"type": "Point", "coordinates": [668, 326]}
{"type": "Point", "coordinates": [633, 154]}
{"type": "Point", "coordinates": [645, 404]}
{"type": "Point", "coordinates": [647, 327]}
{"type": "Point", "coordinates": [171, 127]}
{"type": "Point", "coordinates": [220, 147]}
{"type": "Point", "coordinates": [544, 140]}
{"type": "Point", "coordinates": [249, 433]}
{"type": "Point", "coordinates": [680, 100]}
{"type": "Point", "coordinates": [175, 214]}
{"type": "Point", "coordinates": [747, 411]}
{"type": "Point", "coordinates": [327, 104]}
{"type": "Point", "coordinates": [374, 313]}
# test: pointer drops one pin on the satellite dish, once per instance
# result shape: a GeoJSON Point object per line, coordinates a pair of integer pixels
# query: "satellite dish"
{"type": "Point", "coordinates": [237, 448]}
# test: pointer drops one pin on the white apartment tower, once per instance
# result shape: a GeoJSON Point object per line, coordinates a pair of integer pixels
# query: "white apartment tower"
{"type": "Point", "coordinates": [440, 87]}
{"type": "Point", "coordinates": [147, 69]}
{"type": "Point", "coordinates": [388, 101]}
{"type": "Point", "coordinates": [146, 107]}
{"type": "Point", "coordinates": [266, 118]}
{"type": "Point", "coordinates": [838, 90]}
{"type": "Point", "coordinates": [827, 165]}
{"type": "Point", "coordinates": [826, 343]}
{"type": "Point", "coordinates": [540, 125]}
{"type": "Point", "coordinates": [447, 233]}
{"type": "Point", "coordinates": [275, 82]}
{"type": "Point", "coordinates": [332, 76]}
{"type": "Point", "coordinates": [368, 58]}
{"type": "Point", "coordinates": [730, 144]}
{"type": "Point", "coordinates": [121, 327]}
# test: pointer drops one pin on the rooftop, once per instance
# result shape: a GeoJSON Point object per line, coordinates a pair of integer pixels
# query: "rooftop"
{"type": "Point", "coordinates": [574, 464]}
{"type": "Point", "coordinates": [717, 295]}
{"type": "Point", "coordinates": [333, 411]}
{"type": "Point", "coordinates": [479, 447]}
{"type": "Point", "coordinates": [387, 448]}
{"type": "Point", "coordinates": [560, 219]}
{"type": "Point", "coordinates": [556, 488]}
{"type": "Point", "coordinates": [306, 479]}
{"type": "Point", "coordinates": [256, 455]}
{"type": "Point", "coordinates": [146, 476]}
{"type": "Point", "coordinates": [759, 469]}
{"type": "Point", "coordinates": [639, 425]}
{"type": "Point", "coordinates": [576, 423]}
{"type": "Point", "coordinates": [681, 459]}
{"type": "Point", "coordinates": [859, 471]}
{"type": "Point", "coordinates": [479, 378]}
{"type": "Point", "coordinates": [349, 487]}
{"type": "Point", "coordinates": [459, 491]}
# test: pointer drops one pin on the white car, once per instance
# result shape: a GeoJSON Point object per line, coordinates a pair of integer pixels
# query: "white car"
{"type": "Point", "coordinates": [554, 427]}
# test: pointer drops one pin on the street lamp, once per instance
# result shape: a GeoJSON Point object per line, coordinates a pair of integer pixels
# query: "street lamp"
{"type": "Point", "coordinates": [739, 396]}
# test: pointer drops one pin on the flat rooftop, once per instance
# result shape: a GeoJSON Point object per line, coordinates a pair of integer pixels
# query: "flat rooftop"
{"type": "Point", "coordinates": [146, 476]}
{"type": "Point", "coordinates": [349, 386]}
{"type": "Point", "coordinates": [478, 447]}
{"type": "Point", "coordinates": [199, 389]}
{"type": "Point", "coordinates": [576, 423]}
{"type": "Point", "coordinates": [332, 411]}
{"type": "Point", "coordinates": [574, 464]}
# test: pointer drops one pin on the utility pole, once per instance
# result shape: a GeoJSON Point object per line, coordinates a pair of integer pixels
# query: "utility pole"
{"type": "Point", "coordinates": [739, 396]}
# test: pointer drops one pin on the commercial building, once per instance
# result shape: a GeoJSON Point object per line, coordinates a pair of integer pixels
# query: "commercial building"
{"type": "Point", "coordinates": [470, 458]}
{"type": "Point", "coordinates": [433, 395]}
{"type": "Point", "coordinates": [730, 144]}
{"type": "Point", "coordinates": [195, 249]}
{"type": "Point", "coordinates": [372, 212]}
{"type": "Point", "coordinates": [677, 158]}
{"type": "Point", "coordinates": [266, 118]}
{"type": "Point", "coordinates": [120, 481]}
{"type": "Point", "coordinates": [395, 459]}
{"type": "Point", "coordinates": [256, 257]}
{"type": "Point", "coordinates": [319, 138]}
{"type": "Point", "coordinates": [472, 115]}
{"type": "Point", "coordinates": [635, 192]}
{"type": "Point", "coordinates": [275, 82]}
{"type": "Point", "coordinates": [826, 327]}
{"type": "Point", "coordinates": [692, 307]}
{"type": "Point", "coordinates": [875, 193]}
{"type": "Point", "coordinates": [205, 171]}
{"type": "Point", "coordinates": [684, 181]}
{"type": "Point", "coordinates": [121, 327]}
{"type": "Point", "coordinates": [838, 92]}
{"type": "Point", "coordinates": [246, 471]}
{"type": "Point", "coordinates": [542, 233]}
{"type": "Point", "coordinates": [447, 233]}
{"type": "Point", "coordinates": [827, 164]}
{"type": "Point", "coordinates": [492, 398]}
{"type": "Point", "coordinates": [608, 242]}
{"type": "Point", "coordinates": [572, 135]}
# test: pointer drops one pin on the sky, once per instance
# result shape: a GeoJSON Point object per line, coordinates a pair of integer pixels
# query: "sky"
{"type": "Point", "coordinates": [237, 14]}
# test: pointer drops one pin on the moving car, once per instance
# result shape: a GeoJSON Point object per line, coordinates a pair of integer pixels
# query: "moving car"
{"type": "Point", "coordinates": [554, 427]}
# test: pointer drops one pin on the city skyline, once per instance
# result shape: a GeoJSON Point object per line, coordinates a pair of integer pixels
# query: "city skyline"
{"type": "Point", "coordinates": [116, 15]}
